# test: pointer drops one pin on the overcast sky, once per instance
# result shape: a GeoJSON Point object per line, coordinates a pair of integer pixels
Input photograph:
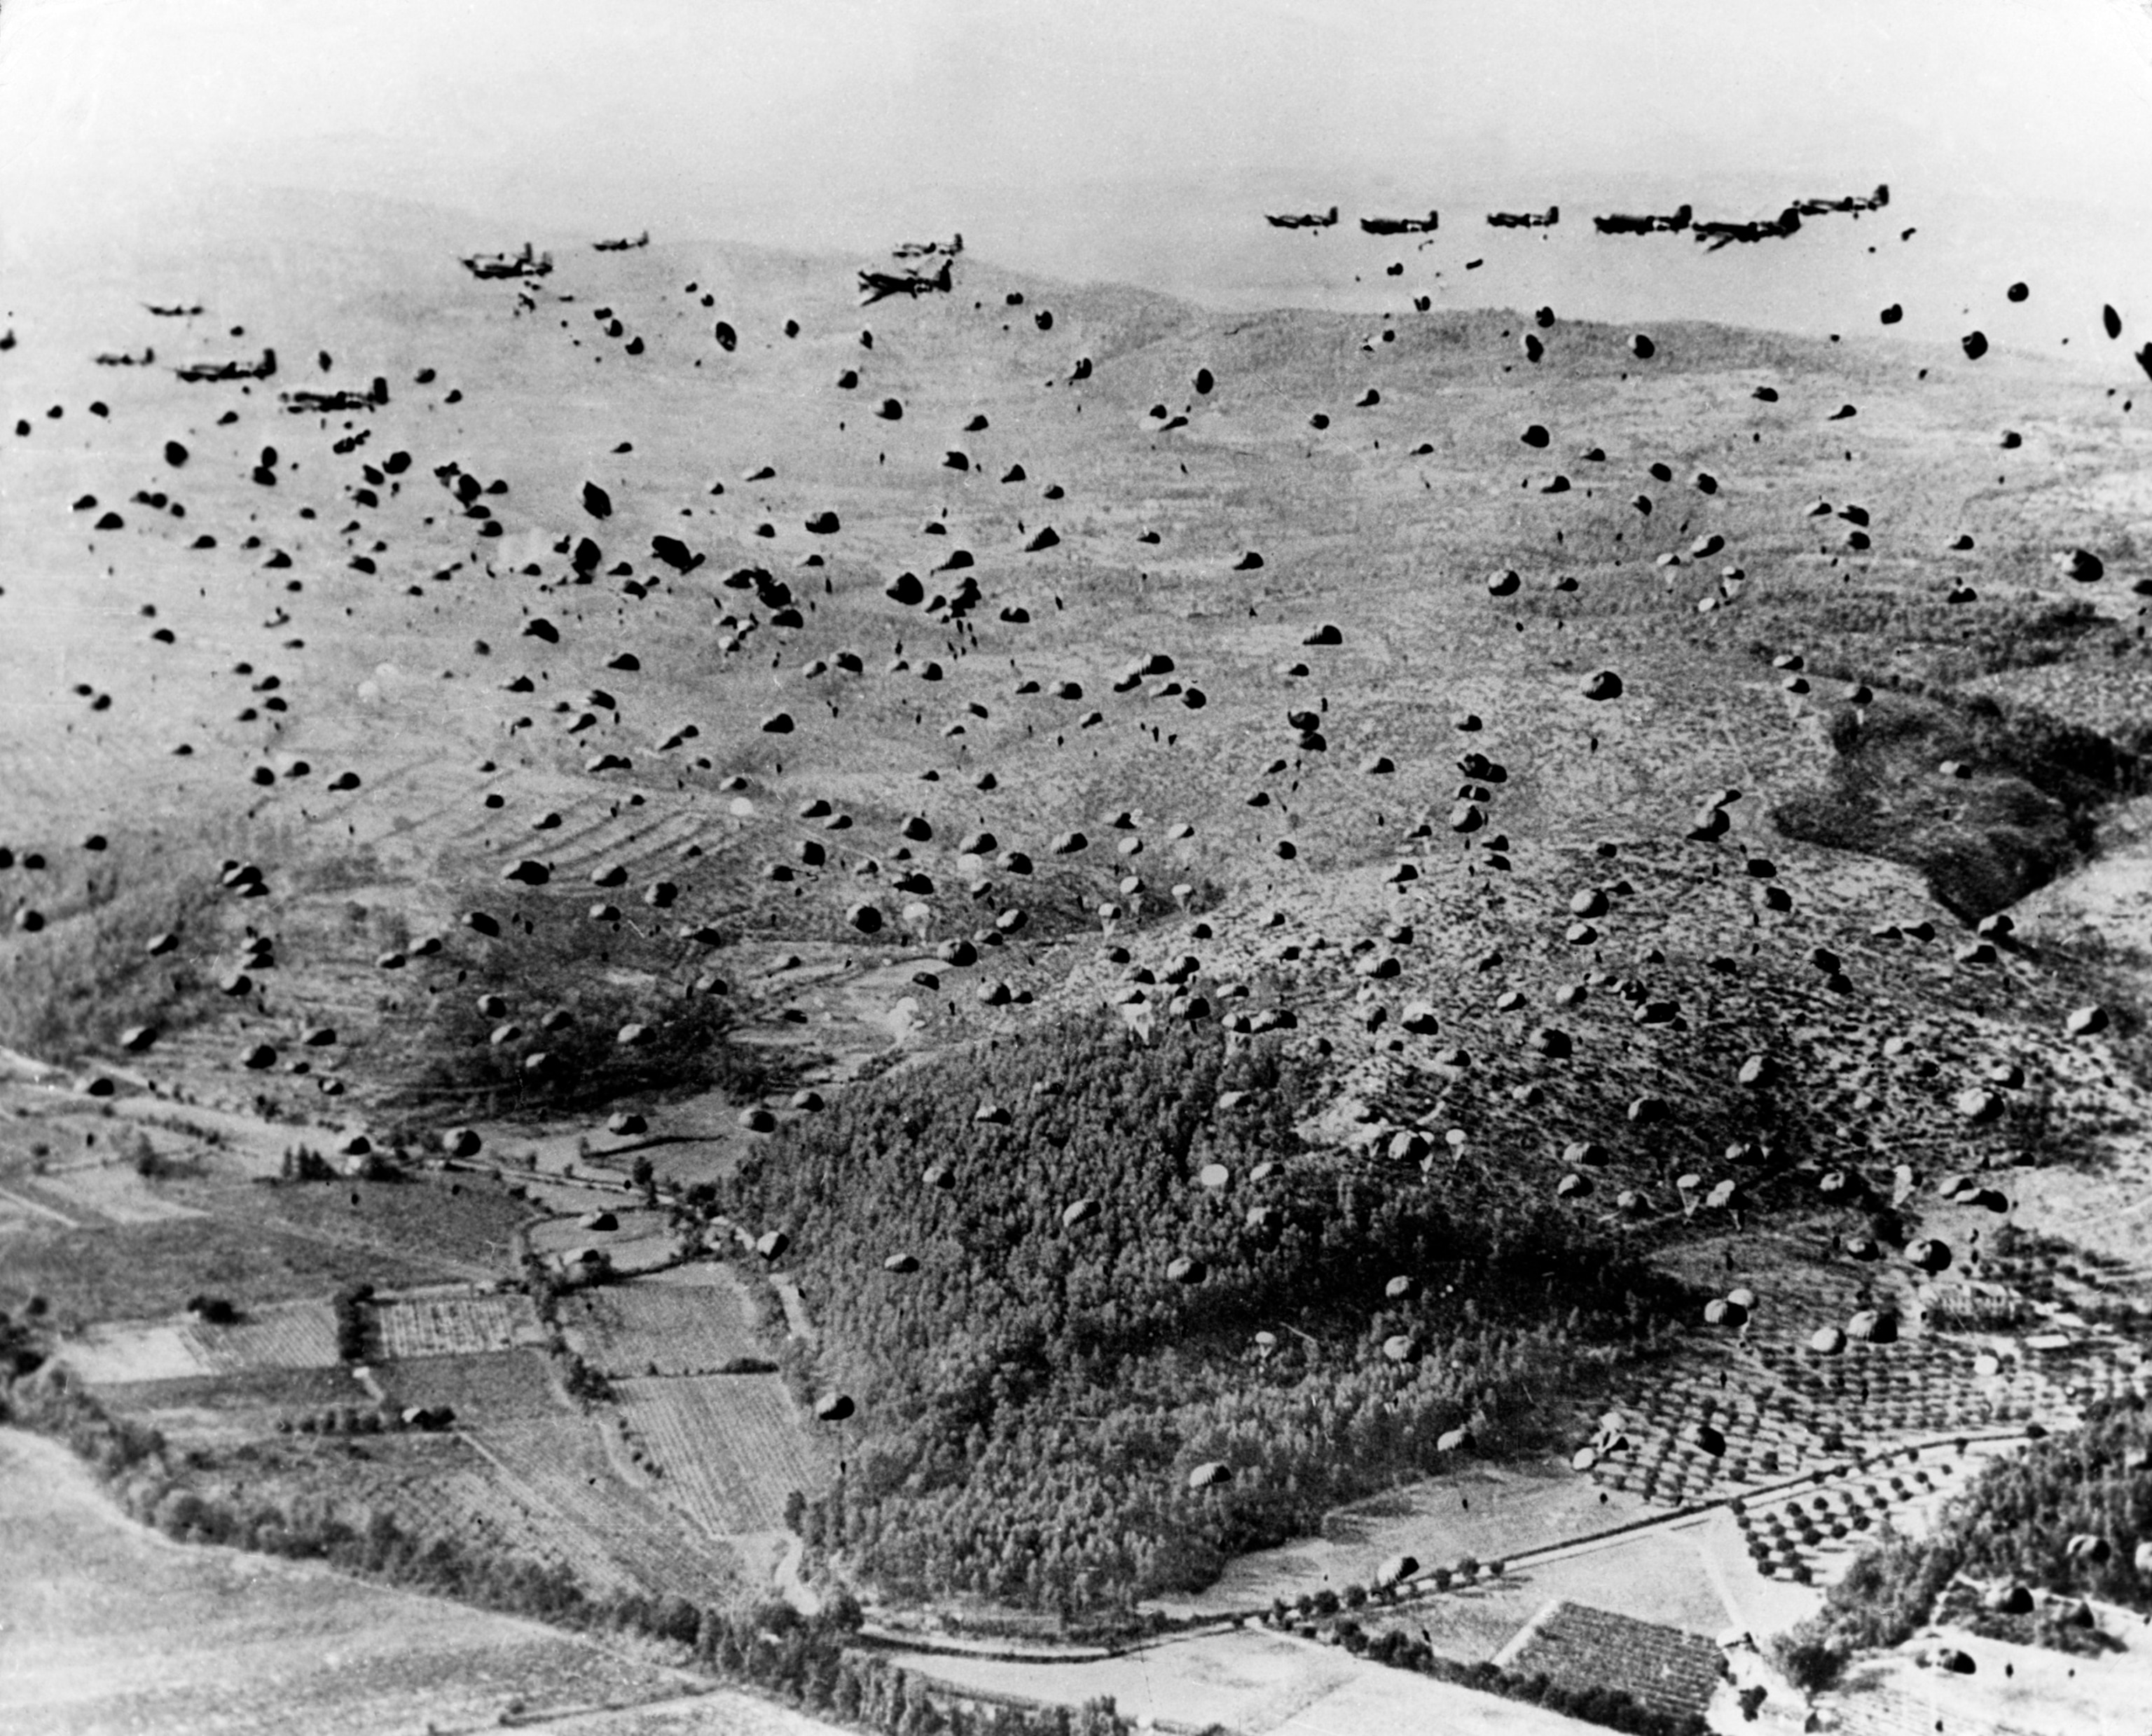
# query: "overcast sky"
{"type": "Point", "coordinates": [1141, 139]}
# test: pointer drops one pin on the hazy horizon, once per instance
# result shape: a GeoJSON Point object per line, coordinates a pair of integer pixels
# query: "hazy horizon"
{"type": "Point", "coordinates": [1109, 142]}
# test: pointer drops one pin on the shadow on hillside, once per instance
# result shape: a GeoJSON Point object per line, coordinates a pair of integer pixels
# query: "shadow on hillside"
{"type": "Point", "coordinates": [1988, 804]}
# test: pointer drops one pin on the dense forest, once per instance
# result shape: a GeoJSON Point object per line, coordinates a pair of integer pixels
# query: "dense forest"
{"type": "Point", "coordinates": [1105, 1324]}
{"type": "Point", "coordinates": [2065, 1516]}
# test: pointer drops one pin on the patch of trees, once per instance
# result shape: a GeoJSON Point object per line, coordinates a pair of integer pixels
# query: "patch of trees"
{"type": "Point", "coordinates": [22, 1342]}
{"type": "Point", "coordinates": [583, 1382]}
{"type": "Point", "coordinates": [2024, 811]}
{"type": "Point", "coordinates": [595, 979]}
{"type": "Point", "coordinates": [1076, 1320]}
{"type": "Point", "coordinates": [303, 1163]}
{"type": "Point", "coordinates": [352, 1307]}
{"type": "Point", "coordinates": [2016, 1521]}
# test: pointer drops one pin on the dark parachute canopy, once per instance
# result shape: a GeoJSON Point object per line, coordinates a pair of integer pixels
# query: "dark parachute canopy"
{"type": "Point", "coordinates": [669, 550]}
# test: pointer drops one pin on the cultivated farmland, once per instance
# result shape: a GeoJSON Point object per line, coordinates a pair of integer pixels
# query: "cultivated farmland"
{"type": "Point", "coordinates": [110, 1628]}
{"type": "Point", "coordinates": [547, 1482]}
{"type": "Point", "coordinates": [453, 1325]}
{"type": "Point", "coordinates": [732, 1447]}
{"type": "Point", "coordinates": [299, 1335]}
{"type": "Point", "coordinates": [660, 1328]}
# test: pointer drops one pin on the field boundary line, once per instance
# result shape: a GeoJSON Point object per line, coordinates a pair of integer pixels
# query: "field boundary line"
{"type": "Point", "coordinates": [40, 1207]}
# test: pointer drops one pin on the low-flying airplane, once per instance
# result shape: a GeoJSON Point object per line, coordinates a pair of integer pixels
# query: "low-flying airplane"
{"type": "Point", "coordinates": [525, 264]}
{"type": "Point", "coordinates": [874, 285]}
{"type": "Point", "coordinates": [1852, 202]}
{"type": "Point", "coordinates": [124, 358]}
{"type": "Point", "coordinates": [199, 371]}
{"type": "Point", "coordinates": [1525, 220]}
{"type": "Point", "coordinates": [1764, 229]}
{"type": "Point", "coordinates": [1398, 226]}
{"type": "Point", "coordinates": [1304, 220]}
{"type": "Point", "coordinates": [928, 249]}
{"type": "Point", "coordinates": [175, 311]}
{"type": "Point", "coordinates": [622, 244]}
{"type": "Point", "coordinates": [1620, 223]}
{"type": "Point", "coordinates": [300, 403]}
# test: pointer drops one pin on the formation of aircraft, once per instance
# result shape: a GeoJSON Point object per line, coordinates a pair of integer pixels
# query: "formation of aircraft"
{"type": "Point", "coordinates": [1715, 235]}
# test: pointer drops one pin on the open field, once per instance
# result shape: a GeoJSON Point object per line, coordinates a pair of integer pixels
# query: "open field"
{"type": "Point", "coordinates": [481, 1388]}
{"type": "Point", "coordinates": [111, 1626]}
{"type": "Point", "coordinates": [113, 1353]}
{"type": "Point", "coordinates": [231, 1407]}
{"type": "Point", "coordinates": [1257, 1682]}
{"type": "Point", "coordinates": [111, 1195]}
{"type": "Point", "coordinates": [641, 1240]}
{"type": "Point", "coordinates": [1488, 1514]}
{"type": "Point", "coordinates": [87, 1275]}
{"type": "Point", "coordinates": [650, 1326]}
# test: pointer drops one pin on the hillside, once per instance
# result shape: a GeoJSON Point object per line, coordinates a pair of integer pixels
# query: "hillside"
{"type": "Point", "coordinates": [1466, 837]}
